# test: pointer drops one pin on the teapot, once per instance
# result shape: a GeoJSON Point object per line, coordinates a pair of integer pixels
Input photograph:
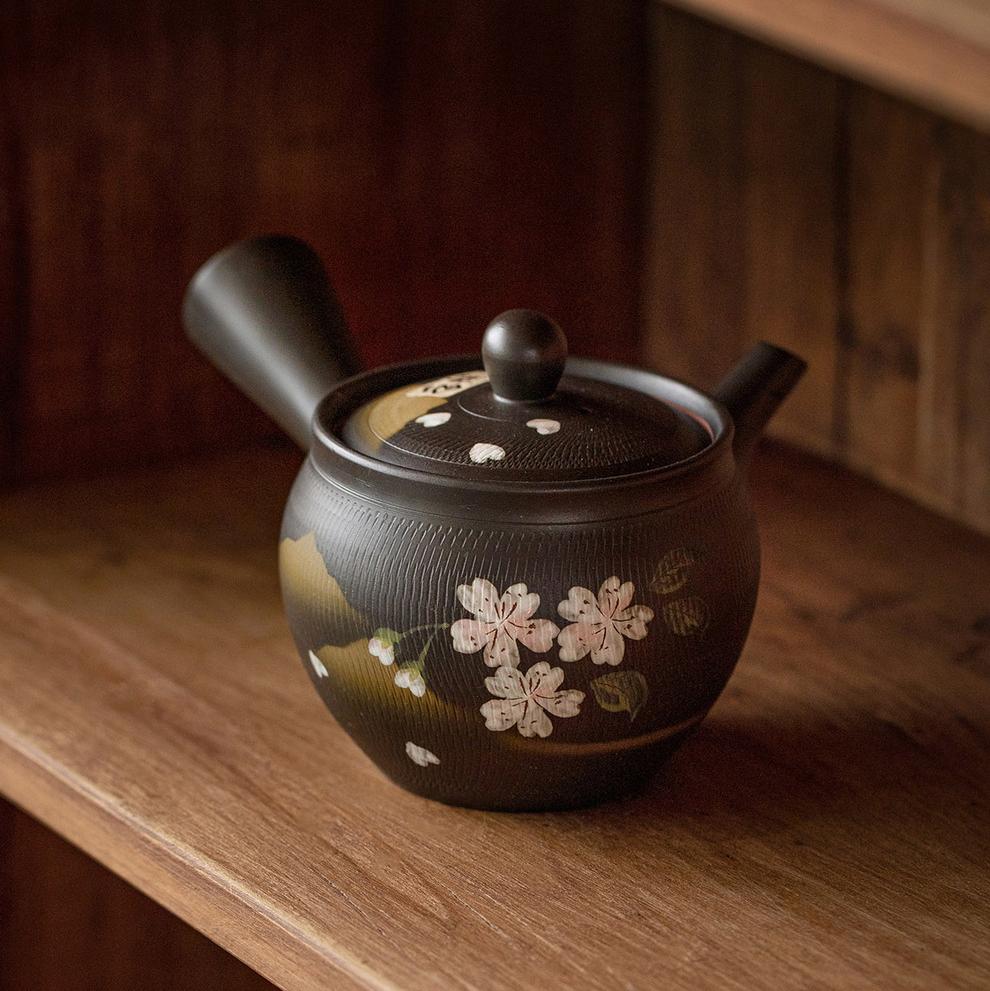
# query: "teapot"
{"type": "Point", "coordinates": [518, 580]}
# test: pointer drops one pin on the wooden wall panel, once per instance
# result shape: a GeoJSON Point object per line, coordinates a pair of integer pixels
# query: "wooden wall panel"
{"type": "Point", "coordinates": [668, 189]}
{"type": "Point", "coordinates": [788, 204]}
{"type": "Point", "coordinates": [890, 193]}
{"type": "Point", "coordinates": [449, 160]}
{"type": "Point", "coordinates": [694, 261]}
{"type": "Point", "coordinates": [741, 242]}
{"type": "Point", "coordinates": [68, 924]}
{"type": "Point", "coordinates": [790, 228]}
{"type": "Point", "coordinates": [954, 417]}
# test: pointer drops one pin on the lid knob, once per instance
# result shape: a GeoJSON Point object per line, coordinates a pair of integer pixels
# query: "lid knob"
{"type": "Point", "coordinates": [524, 354]}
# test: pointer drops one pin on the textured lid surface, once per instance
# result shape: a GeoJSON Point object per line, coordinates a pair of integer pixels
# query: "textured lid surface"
{"type": "Point", "coordinates": [518, 420]}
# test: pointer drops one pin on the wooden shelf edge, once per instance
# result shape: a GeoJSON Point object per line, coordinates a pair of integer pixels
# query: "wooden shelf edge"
{"type": "Point", "coordinates": [913, 50]}
{"type": "Point", "coordinates": [228, 915]}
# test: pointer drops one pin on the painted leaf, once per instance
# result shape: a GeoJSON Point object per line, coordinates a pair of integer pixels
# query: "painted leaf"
{"type": "Point", "coordinates": [687, 617]}
{"type": "Point", "coordinates": [621, 691]}
{"type": "Point", "coordinates": [672, 572]}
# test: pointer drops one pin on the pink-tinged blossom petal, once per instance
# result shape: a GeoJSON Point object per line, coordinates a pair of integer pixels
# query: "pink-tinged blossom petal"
{"type": "Point", "coordinates": [481, 599]}
{"type": "Point", "coordinates": [501, 648]}
{"type": "Point", "coordinates": [632, 622]}
{"type": "Point", "coordinates": [541, 679]}
{"type": "Point", "coordinates": [502, 714]}
{"type": "Point", "coordinates": [507, 683]}
{"type": "Point", "coordinates": [608, 596]}
{"type": "Point", "coordinates": [518, 604]}
{"type": "Point", "coordinates": [611, 648]}
{"type": "Point", "coordinates": [580, 606]}
{"type": "Point", "coordinates": [576, 640]}
{"type": "Point", "coordinates": [537, 634]}
{"type": "Point", "coordinates": [469, 635]}
{"type": "Point", "coordinates": [534, 721]}
{"type": "Point", "coordinates": [567, 703]}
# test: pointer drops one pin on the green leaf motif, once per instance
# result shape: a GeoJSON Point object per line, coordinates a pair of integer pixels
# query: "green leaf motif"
{"type": "Point", "coordinates": [687, 617]}
{"type": "Point", "coordinates": [621, 691]}
{"type": "Point", "coordinates": [672, 572]}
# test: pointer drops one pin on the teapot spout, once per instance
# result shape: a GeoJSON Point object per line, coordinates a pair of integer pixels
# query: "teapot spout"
{"type": "Point", "coordinates": [754, 389]}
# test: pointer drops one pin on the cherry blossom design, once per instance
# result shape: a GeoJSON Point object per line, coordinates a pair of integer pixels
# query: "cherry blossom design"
{"type": "Point", "coordinates": [500, 621]}
{"type": "Point", "coordinates": [383, 648]}
{"type": "Point", "coordinates": [420, 755]}
{"type": "Point", "coordinates": [411, 678]}
{"type": "Point", "coordinates": [480, 453]}
{"type": "Point", "coordinates": [598, 624]}
{"type": "Point", "coordinates": [523, 700]}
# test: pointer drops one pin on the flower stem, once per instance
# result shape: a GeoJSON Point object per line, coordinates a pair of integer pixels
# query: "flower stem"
{"type": "Point", "coordinates": [426, 626]}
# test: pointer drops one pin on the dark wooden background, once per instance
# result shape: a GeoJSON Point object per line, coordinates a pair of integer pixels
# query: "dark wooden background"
{"type": "Point", "coordinates": [667, 189]}
{"type": "Point", "coordinates": [448, 160]}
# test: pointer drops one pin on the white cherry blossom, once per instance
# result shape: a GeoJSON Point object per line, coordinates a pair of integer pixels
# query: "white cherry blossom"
{"type": "Point", "coordinates": [384, 651]}
{"type": "Point", "coordinates": [524, 700]}
{"type": "Point", "coordinates": [598, 624]}
{"type": "Point", "coordinates": [500, 621]}
{"type": "Point", "coordinates": [420, 755]}
{"type": "Point", "coordinates": [412, 679]}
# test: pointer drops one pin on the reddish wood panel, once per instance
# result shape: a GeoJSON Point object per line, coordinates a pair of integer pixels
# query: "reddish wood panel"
{"type": "Point", "coordinates": [448, 160]}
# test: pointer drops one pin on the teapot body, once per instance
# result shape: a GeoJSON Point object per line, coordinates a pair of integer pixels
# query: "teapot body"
{"type": "Point", "coordinates": [516, 588]}
{"type": "Point", "coordinates": [489, 662]}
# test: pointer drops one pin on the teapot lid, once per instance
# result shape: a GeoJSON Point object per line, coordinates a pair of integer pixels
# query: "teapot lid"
{"type": "Point", "coordinates": [524, 418]}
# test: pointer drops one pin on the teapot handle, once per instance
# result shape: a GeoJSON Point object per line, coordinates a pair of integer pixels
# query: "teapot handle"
{"type": "Point", "coordinates": [265, 314]}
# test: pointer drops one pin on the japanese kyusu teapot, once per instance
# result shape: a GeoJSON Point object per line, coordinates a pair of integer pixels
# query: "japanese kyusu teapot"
{"type": "Point", "coordinates": [518, 580]}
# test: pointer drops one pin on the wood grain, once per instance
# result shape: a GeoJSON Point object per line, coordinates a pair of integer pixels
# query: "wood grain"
{"type": "Point", "coordinates": [936, 52]}
{"type": "Point", "coordinates": [447, 160]}
{"type": "Point", "coordinates": [694, 259]}
{"type": "Point", "coordinates": [826, 827]}
{"type": "Point", "coordinates": [790, 226]}
{"type": "Point", "coordinates": [788, 204]}
{"type": "Point", "coordinates": [68, 924]}
{"type": "Point", "coordinates": [892, 187]}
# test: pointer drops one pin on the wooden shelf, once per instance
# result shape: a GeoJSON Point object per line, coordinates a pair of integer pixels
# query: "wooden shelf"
{"type": "Point", "coordinates": [826, 826]}
{"type": "Point", "coordinates": [936, 52]}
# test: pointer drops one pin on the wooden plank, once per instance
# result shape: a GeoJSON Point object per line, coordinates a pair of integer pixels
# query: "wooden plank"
{"type": "Point", "coordinates": [954, 416]}
{"type": "Point", "coordinates": [825, 828]}
{"type": "Point", "coordinates": [694, 264]}
{"type": "Point", "coordinates": [787, 204]}
{"type": "Point", "coordinates": [791, 226]}
{"type": "Point", "coordinates": [936, 52]}
{"type": "Point", "coordinates": [891, 191]}
{"type": "Point", "coordinates": [449, 161]}
{"type": "Point", "coordinates": [67, 924]}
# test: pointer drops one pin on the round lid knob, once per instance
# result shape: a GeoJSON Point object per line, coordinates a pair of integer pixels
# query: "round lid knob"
{"type": "Point", "coordinates": [524, 354]}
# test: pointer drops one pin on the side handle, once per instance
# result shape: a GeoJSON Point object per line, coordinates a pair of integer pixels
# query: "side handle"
{"type": "Point", "coordinates": [265, 314]}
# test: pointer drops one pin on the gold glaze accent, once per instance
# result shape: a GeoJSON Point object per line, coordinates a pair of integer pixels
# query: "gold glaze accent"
{"type": "Point", "coordinates": [555, 748]}
{"type": "Point", "coordinates": [306, 581]}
